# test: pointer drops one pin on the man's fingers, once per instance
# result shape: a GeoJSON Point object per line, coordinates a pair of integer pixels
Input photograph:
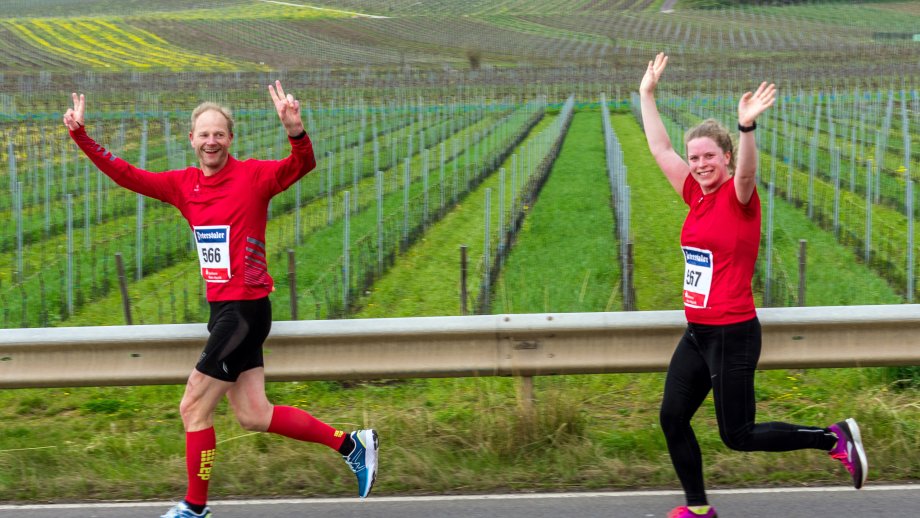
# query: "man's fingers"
{"type": "Point", "coordinates": [69, 120]}
{"type": "Point", "coordinates": [281, 99]}
{"type": "Point", "coordinates": [279, 89]}
{"type": "Point", "coordinates": [79, 101]}
{"type": "Point", "coordinates": [73, 117]}
{"type": "Point", "coordinates": [276, 92]}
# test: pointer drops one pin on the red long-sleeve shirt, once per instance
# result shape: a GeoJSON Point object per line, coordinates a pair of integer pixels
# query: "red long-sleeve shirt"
{"type": "Point", "coordinates": [227, 211]}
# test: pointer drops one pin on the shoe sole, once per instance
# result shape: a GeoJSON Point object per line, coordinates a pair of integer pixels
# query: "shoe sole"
{"type": "Point", "coordinates": [853, 429]}
{"type": "Point", "coordinates": [371, 445]}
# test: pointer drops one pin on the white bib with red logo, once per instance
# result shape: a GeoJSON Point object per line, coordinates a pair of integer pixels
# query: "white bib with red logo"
{"type": "Point", "coordinates": [698, 267]}
{"type": "Point", "coordinates": [213, 245]}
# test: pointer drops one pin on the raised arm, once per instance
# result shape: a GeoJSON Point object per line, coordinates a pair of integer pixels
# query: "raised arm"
{"type": "Point", "coordinates": [154, 185]}
{"type": "Point", "coordinates": [671, 164]}
{"type": "Point", "coordinates": [288, 110]}
{"type": "Point", "coordinates": [750, 107]}
{"type": "Point", "coordinates": [301, 160]}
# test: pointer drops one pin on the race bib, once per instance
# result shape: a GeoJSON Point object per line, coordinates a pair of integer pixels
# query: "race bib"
{"type": "Point", "coordinates": [697, 276]}
{"type": "Point", "coordinates": [213, 244]}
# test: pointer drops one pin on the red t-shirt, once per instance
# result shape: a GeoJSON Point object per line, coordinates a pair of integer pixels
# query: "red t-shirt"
{"type": "Point", "coordinates": [720, 239]}
{"type": "Point", "coordinates": [227, 211]}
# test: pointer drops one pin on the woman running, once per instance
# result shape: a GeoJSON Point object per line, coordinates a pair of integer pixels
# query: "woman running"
{"type": "Point", "coordinates": [721, 344]}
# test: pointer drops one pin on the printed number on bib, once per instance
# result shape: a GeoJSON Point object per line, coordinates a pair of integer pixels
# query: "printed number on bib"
{"type": "Point", "coordinates": [213, 244]}
{"type": "Point", "coordinates": [698, 269]}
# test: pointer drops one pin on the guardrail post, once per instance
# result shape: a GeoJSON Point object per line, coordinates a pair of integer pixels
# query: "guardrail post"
{"type": "Point", "coordinates": [525, 394]}
{"type": "Point", "coordinates": [123, 286]}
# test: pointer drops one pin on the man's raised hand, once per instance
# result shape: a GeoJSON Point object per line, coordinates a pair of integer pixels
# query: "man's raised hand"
{"type": "Point", "coordinates": [73, 117]}
{"type": "Point", "coordinates": [288, 109]}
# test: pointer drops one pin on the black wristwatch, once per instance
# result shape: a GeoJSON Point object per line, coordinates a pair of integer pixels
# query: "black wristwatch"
{"type": "Point", "coordinates": [745, 129]}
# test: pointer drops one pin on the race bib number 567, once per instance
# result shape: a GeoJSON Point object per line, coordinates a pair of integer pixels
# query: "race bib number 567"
{"type": "Point", "coordinates": [213, 244]}
{"type": "Point", "coordinates": [698, 268]}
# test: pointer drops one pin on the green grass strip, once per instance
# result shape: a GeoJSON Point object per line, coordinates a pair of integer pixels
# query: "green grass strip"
{"type": "Point", "coordinates": [656, 219]}
{"type": "Point", "coordinates": [565, 257]}
{"type": "Point", "coordinates": [833, 275]}
{"type": "Point", "coordinates": [426, 280]}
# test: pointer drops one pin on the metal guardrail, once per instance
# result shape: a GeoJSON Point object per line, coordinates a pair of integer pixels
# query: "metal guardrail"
{"type": "Point", "coordinates": [489, 345]}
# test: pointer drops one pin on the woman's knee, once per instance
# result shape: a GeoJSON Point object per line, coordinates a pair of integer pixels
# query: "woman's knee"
{"type": "Point", "coordinates": [738, 439]}
{"type": "Point", "coordinates": [672, 420]}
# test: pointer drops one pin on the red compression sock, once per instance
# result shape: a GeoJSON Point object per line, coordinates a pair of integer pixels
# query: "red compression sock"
{"type": "Point", "coordinates": [199, 460]}
{"type": "Point", "coordinates": [298, 424]}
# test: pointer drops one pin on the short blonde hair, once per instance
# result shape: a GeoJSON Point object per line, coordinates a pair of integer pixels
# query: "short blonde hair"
{"type": "Point", "coordinates": [710, 128]}
{"type": "Point", "coordinates": [208, 106]}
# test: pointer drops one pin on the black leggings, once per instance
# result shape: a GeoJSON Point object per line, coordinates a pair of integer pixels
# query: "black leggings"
{"type": "Point", "coordinates": [722, 358]}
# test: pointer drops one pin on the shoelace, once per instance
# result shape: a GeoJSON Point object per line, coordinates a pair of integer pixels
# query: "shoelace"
{"type": "Point", "coordinates": [355, 465]}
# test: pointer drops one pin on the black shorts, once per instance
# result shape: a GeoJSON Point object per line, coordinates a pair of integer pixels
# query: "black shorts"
{"type": "Point", "coordinates": [238, 328]}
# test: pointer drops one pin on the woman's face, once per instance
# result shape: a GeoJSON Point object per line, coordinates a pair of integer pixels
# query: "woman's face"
{"type": "Point", "coordinates": [708, 163]}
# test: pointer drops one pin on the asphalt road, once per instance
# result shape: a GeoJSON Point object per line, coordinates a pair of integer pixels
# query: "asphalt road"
{"type": "Point", "coordinates": [874, 501]}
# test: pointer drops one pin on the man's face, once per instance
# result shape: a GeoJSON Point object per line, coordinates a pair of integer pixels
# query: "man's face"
{"type": "Point", "coordinates": [211, 141]}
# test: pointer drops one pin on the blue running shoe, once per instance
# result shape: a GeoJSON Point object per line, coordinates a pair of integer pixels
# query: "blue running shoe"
{"type": "Point", "coordinates": [181, 510]}
{"type": "Point", "coordinates": [363, 459]}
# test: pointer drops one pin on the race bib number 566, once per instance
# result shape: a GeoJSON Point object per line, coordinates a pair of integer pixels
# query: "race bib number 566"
{"type": "Point", "coordinates": [213, 244]}
{"type": "Point", "coordinates": [698, 268]}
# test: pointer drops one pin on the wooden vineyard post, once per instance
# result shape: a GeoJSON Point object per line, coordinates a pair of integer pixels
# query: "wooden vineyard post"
{"type": "Point", "coordinates": [123, 286]}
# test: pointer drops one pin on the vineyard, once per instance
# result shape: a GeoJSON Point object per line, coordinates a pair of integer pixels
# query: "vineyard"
{"type": "Point", "coordinates": [390, 171]}
{"type": "Point", "coordinates": [401, 149]}
{"type": "Point", "coordinates": [380, 39]}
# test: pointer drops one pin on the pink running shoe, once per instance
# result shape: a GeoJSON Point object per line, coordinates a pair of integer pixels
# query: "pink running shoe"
{"type": "Point", "coordinates": [705, 511]}
{"type": "Point", "coordinates": [849, 450]}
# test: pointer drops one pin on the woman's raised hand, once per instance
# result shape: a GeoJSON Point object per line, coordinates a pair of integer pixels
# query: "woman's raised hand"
{"type": "Point", "coordinates": [752, 105]}
{"type": "Point", "coordinates": [653, 74]}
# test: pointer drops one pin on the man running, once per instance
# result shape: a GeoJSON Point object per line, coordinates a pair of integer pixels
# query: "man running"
{"type": "Point", "coordinates": [226, 204]}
